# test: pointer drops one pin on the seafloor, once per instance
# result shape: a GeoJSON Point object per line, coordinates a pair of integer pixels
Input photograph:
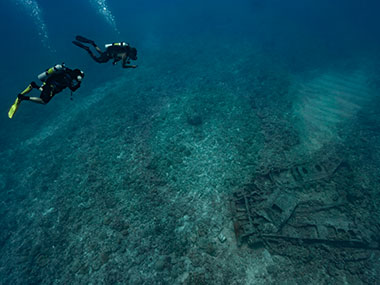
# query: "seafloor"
{"type": "Point", "coordinates": [237, 169]}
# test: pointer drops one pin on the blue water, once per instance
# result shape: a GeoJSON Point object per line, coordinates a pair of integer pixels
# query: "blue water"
{"type": "Point", "coordinates": [130, 182]}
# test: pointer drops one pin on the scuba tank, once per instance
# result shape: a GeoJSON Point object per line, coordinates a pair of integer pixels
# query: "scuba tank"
{"type": "Point", "coordinates": [122, 44]}
{"type": "Point", "coordinates": [44, 75]}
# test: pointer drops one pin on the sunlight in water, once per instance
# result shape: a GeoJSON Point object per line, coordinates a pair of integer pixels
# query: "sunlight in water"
{"type": "Point", "coordinates": [327, 101]}
{"type": "Point", "coordinates": [101, 6]}
{"type": "Point", "coordinates": [34, 10]}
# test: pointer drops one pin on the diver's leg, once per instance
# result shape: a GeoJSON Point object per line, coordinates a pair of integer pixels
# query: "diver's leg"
{"type": "Point", "coordinates": [102, 58]}
{"type": "Point", "coordinates": [97, 48]}
{"type": "Point", "coordinates": [46, 95]}
{"type": "Point", "coordinates": [99, 59]}
{"type": "Point", "coordinates": [31, 99]}
{"type": "Point", "coordinates": [37, 100]}
{"type": "Point", "coordinates": [87, 41]}
{"type": "Point", "coordinates": [22, 97]}
{"type": "Point", "coordinates": [30, 87]}
{"type": "Point", "coordinates": [86, 48]}
{"type": "Point", "coordinates": [79, 39]}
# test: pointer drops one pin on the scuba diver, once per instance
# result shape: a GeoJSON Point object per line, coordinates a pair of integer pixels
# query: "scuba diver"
{"type": "Point", "coordinates": [55, 79]}
{"type": "Point", "coordinates": [116, 51]}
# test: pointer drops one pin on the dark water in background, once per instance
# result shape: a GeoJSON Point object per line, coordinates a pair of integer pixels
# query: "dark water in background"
{"type": "Point", "coordinates": [297, 36]}
{"type": "Point", "coordinates": [302, 33]}
{"type": "Point", "coordinates": [323, 28]}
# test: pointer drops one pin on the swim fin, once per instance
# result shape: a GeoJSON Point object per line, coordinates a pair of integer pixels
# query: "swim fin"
{"type": "Point", "coordinates": [19, 98]}
{"type": "Point", "coordinates": [14, 108]}
{"type": "Point", "coordinates": [81, 46]}
{"type": "Point", "coordinates": [84, 40]}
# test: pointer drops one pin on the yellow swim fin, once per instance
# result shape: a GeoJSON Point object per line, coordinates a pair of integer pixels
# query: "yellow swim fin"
{"type": "Point", "coordinates": [14, 108]}
{"type": "Point", "coordinates": [16, 104]}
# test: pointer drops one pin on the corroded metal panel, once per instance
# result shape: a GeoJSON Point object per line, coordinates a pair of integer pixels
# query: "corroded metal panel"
{"type": "Point", "coordinates": [274, 207]}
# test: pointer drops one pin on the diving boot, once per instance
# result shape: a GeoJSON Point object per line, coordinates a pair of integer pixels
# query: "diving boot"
{"type": "Point", "coordinates": [22, 97]}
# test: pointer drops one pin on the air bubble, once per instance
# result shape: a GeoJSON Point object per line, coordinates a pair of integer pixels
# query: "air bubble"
{"type": "Point", "coordinates": [31, 6]}
{"type": "Point", "coordinates": [101, 6]}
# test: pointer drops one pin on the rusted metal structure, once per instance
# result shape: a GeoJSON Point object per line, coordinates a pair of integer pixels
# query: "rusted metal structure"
{"type": "Point", "coordinates": [277, 206]}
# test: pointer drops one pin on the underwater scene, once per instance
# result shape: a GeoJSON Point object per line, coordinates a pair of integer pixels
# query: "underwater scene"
{"type": "Point", "coordinates": [190, 142]}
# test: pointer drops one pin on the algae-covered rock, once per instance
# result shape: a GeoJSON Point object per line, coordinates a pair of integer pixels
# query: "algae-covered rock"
{"type": "Point", "coordinates": [194, 120]}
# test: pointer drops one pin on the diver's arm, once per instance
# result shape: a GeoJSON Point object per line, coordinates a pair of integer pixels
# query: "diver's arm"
{"type": "Point", "coordinates": [74, 85]}
{"type": "Point", "coordinates": [74, 88]}
{"type": "Point", "coordinates": [115, 60]}
{"type": "Point", "coordinates": [125, 61]}
{"type": "Point", "coordinates": [129, 66]}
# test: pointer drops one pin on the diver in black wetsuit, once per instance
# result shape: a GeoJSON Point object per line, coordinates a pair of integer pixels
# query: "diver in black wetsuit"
{"type": "Point", "coordinates": [55, 82]}
{"type": "Point", "coordinates": [115, 51]}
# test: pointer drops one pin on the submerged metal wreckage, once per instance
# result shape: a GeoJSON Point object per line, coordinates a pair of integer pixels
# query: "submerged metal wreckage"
{"type": "Point", "coordinates": [299, 204]}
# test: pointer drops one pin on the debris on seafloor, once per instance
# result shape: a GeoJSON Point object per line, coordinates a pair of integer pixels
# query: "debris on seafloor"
{"type": "Point", "coordinates": [280, 206]}
{"type": "Point", "coordinates": [222, 238]}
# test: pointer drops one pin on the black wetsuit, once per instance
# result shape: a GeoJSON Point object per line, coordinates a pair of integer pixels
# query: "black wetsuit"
{"type": "Point", "coordinates": [111, 52]}
{"type": "Point", "coordinates": [116, 52]}
{"type": "Point", "coordinates": [57, 82]}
